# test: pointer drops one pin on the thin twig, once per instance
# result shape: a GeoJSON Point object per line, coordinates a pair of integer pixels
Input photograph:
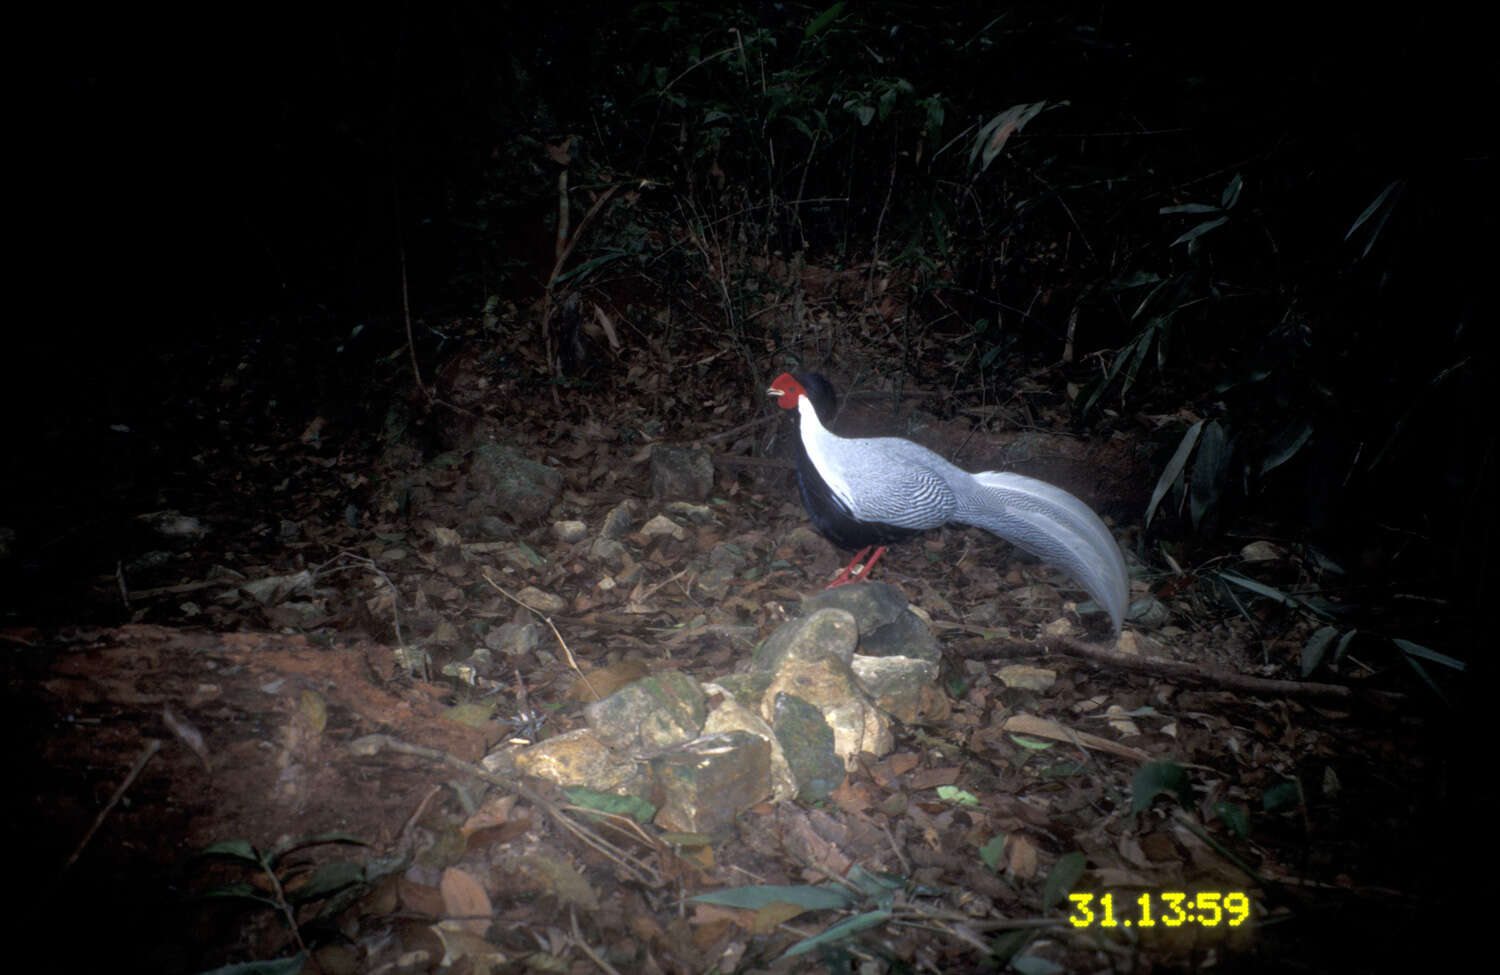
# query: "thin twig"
{"type": "Point", "coordinates": [153, 745]}
{"type": "Point", "coordinates": [584, 947]}
{"type": "Point", "coordinates": [362, 561]}
{"type": "Point", "coordinates": [411, 343]}
{"type": "Point", "coordinates": [281, 901]}
{"type": "Point", "coordinates": [633, 866]}
{"type": "Point", "coordinates": [567, 654]}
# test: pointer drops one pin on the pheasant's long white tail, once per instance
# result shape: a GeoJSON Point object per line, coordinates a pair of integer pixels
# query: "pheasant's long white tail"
{"type": "Point", "coordinates": [1054, 526]}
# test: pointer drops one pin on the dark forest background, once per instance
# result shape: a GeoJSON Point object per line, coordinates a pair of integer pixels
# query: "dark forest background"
{"type": "Point", "coordinates": [1277, 220]}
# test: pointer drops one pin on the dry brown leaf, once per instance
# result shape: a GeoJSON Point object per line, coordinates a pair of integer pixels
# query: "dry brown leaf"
{"type": "Point", "coordinates": [598, 684]}
{"type": "Point", "coordinates": [495, 811]}
{"type": "Point", "coordinates": [562, 881]}
{"type": "Point", "coordinates": [1021, 857]}
{"type": "Point", "coordinates": [1030, 724]}
{"type": "Point", "coordinates": [465, 900]}
{"type": "Point", "coordinates": [931, 778]}
{"type": "Point", "coordinates": [420, 899]}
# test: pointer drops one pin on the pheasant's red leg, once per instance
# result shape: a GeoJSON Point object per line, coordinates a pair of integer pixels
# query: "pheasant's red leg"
{"type": "Point", "coordinates": [854, 572]}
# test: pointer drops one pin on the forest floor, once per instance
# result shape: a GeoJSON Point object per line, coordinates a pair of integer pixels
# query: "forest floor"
{"type": "Point", "coordinates": [186, 709]}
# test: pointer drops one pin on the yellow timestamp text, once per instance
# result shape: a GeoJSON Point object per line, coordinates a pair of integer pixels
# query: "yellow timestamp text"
{"type": "Point", "coordinates": [1168, 909]}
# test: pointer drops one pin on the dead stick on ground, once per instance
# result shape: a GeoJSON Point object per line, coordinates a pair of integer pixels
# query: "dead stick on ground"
{"type": "Point", "coordinates": [584, 946]}
{"type": "Point", "coordinates": [638, 869]}
{"type": "Point", "coordinates": [153, 745]}
{"type": "Point", "coordinates": [1175, 670]}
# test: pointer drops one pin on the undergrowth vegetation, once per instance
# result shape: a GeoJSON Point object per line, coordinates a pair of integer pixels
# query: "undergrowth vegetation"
{"type": "Point", "coordinates": [1204, 224]}
{"type": "Point", "coordinates": [1269, 225]}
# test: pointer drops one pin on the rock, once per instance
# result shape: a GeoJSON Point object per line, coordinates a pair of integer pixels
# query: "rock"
{"type": "Point", "coordinates": [580, 758]}
{"type": "Point", "coordinates": [873, 604]}
{"type": "Point", "coordinates": [696, 514]}
{"type": "Point", "coordinates": [569, 531]}
{"type": "Point", "coordinates": [887, 627]}
{"type": "Point", "coordinates": [726, 555]}
{"type": "Point", "coordinates": [715, 582]}
{"type": "Point", "coordinates": [513, 639]}
{"type": "Point", "coordinates": [827, 632]}
{"type": "Point", "coordinates": [807, 741]}
{"type": "Point", "coordinates": [173, 524]}
{"type": "Point", "coordinates": [730, 714]}
{"type": "Point", "coordinates": [662, 525]}
{"type": "Point", "coordinates": [512, 483]}
{"type": "Point", "coordinates": [681, 472]}
{"type": "Point", "coordinates": [650, 715]}
{"type": "Point", "coordinates": [896, 683]}
{"type": "Point", "coordinates": [620, 520]}
{"type": "Point", "coordinates": [904, 636]}
{"type": "Point", "coordinates": [543, 602]}
{"type": "Point", "coordinates": [702, 786]}
{"type": "Point", "coordinates": [828, 683]}
{"type": "Point", "coordinates": [609, 552]}
{"type": "Point", "coordinates": [1026, 677]}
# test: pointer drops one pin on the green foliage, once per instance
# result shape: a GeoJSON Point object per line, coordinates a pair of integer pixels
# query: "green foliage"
{"type": "Point", "coordinates": [288, 883]}
{"type": "Point", "coordinates": [1157, 778]}
{"type": "Point", "coordinates": [953, 795]}
{"type": "Point", "coordinates": [992, 851]}
{"type": "Point", "coordinates": [607, 802]}
{"type": "Point", "coordinates": [874, 893]}
{"type": "Point", "coordinates": [1063, 879]}
{"type": "Point", "coordinates": [1036, 181]}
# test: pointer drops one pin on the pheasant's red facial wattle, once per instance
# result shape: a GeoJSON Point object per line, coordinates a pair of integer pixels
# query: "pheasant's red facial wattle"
{"type": "Point", "coordinates": [787, 391]}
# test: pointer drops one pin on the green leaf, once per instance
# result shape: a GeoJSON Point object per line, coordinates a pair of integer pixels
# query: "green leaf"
{"type": "Point", "coordinates": [607, 802]}
{"type": "Point", "coordinates": [998, 130]}
{"type": "Point", "coordinates": [935, 115]}
{"type": "Point", "coordinates": [1173, 470]}
{"type": "Point", "coordinates": [1155, 778]}
{"type": "Point", "coordinates": [992, 852]}
{"type": "Point", "coordinates": [827, 897]}
{"type": "Point", "coordinates": [953, 794]}
{"type": "Point", "coordinates": [1121, 357]}
{"type": "Point", "coordinates": [1210, 474]}
{"type": "Point", "coordinates": [1315, 647]}
{"type": "Point", "coordinates": [1063, 878]}
{"type": "Point", "coordinates": [1378, 205]}
{"type": "Point", "coordinates": [839, 932]}
{"type": "Point", "coordinates": [1190, 208]}
{"type": "Point", "coordinates": [1135, 279]}
{"type": "Point", "coordinates": [1426, 653]}
{"type": "Point", "coordinates": [317, 839]}
{"type": "Point", "coordinates": [1285, 793]}
{"type": "Point", "coordinates": [1035, 965]}
{"type": "Point", "coordinates": [1235, 816]}
{"type": "Point", "coordinates": [273, 966]}
{"type": "Point", "coordinates": [241, 850]}
{"type": "Point", "coordinates": [1271, 592]}
{"type": "Point", "coordinates": [1005, 946]}
{"type": "Point", "coordinates": [822, 20]}
{"type": "Point", "coordinates": [1338, 653]}
{"type": "Point", "coordinates": [1231, 194]}
{"type": "Point", "coordinates": [328, 879]}
{"type": "Point", "coordinates": [241, 892]}
{"type": "Point", "coordinates": [876, 884]}
{"type": "Point", "coordinates": [1290, 440]}
{"type": "Point", "coordinates": [1199, 231]}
